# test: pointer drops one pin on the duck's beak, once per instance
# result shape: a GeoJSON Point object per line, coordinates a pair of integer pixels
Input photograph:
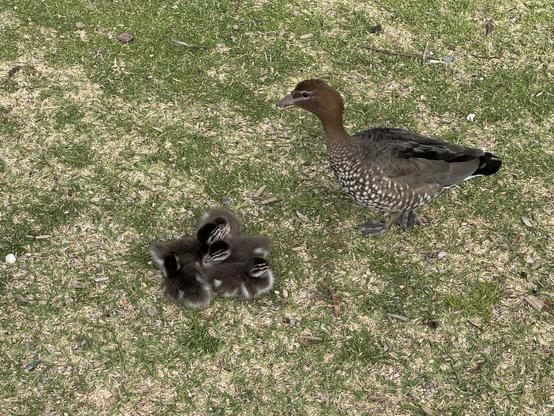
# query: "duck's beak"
{"type": "Point", "coordinates": [286, 101]}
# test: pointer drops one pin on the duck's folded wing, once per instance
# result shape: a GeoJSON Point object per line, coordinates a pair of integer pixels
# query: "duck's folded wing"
{"type": "Point", "coordinates": [414, 159]}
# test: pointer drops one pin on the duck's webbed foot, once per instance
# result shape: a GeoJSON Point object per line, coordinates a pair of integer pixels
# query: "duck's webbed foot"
{"type": "Point", "coordinates": [407, 219]}
{"type": "Point", "coordinates": [373, 228]}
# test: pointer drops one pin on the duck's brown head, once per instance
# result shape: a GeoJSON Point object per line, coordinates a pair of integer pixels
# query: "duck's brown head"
{"type": "Point", "coordinates": [316, 96]}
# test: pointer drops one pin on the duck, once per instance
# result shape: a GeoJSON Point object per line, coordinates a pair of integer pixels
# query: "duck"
{"type": "Point", "coordinates": [237, 249]}
{"type": "Point", "coordinates": [243, 280]}
{"type": "Point", "coordinates": [227, 224]}
{"type": "Point", "coordinates": [198, 246]}
{"type": "Point", "coordinates": [184, 283]}
{"type": "Point", "coordinates": [387, 169]}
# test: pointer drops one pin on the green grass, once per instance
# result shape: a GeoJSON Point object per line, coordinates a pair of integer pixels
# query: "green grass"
{"type": "Point", "coordinates": [105, 147]}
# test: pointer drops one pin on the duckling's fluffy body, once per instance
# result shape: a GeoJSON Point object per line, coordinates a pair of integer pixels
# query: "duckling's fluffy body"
{"type": "Point", "coordinates": [219, 260]}
{"type": "Point", "coordinates": [184, 282]}
{"type": "Point", "coordinates": [387, 169]}
{"type": "Point", "coordinates": [237, 249]}
{"type": "Point", "coordinates": [243, 280]}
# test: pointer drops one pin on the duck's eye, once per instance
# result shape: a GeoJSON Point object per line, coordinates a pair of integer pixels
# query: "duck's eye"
{"type": "Point", "coordinates": [305, 94]}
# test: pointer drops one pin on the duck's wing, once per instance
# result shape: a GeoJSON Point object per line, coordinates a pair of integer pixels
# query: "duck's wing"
{"type": "Point", "coordinates": [414, 159]}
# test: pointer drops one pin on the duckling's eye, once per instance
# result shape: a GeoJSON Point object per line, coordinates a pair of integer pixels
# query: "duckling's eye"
{"type": "Point", "coordinates": [305, 94]}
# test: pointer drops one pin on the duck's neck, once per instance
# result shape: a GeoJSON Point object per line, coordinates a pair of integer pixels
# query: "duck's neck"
{"type": "Point", "coordinates": [336, 136]}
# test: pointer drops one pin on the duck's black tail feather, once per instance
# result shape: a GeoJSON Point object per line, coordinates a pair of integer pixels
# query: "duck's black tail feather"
{"type": "Point", "coordinates": [488, 165]}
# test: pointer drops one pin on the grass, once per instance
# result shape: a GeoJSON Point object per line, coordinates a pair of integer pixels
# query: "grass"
{"type": "Point", "coordinates": [106, 146]}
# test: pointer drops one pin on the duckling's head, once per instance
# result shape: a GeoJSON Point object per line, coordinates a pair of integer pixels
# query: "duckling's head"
{"type": "Point", "coordinates": [316, 96]}
{"type": "Point", "coordinates": [257, 267]}
{"type": "Point", "coordinates": [213, 231]}
{"type": "Point", "coordinates": [219, 251]}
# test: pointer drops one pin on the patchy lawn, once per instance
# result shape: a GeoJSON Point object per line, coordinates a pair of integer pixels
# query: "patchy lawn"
{"type": "Point", "coordinates": [106, 146]}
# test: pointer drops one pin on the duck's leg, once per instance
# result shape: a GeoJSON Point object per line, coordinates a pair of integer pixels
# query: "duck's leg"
{"type": "Point", "coordinates": [373, 228]}
{"type": "Point", "coordinates": [407, 219]}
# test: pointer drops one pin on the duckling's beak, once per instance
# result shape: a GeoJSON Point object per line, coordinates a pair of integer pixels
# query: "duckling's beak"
{"type": "Point", "coordinates": [286, 101]}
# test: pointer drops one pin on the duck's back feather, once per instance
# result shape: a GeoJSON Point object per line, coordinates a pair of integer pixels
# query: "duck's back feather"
{"type": "Point", "coordinates": [414, 159]}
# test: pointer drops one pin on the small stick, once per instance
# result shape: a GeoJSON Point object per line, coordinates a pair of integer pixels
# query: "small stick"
{"type": "Point", "coordinates": [269, 200]}
{"type": "Point", "coordinates": [259, 192]}
{"type": "Point", "coordinates": [476, 325]}
{"type": "Point", "coordinates": [403, 54]}
{"type": "Point", "coordinates": [187, 45]}
{"type": "Point", "coordinates": [336, 303]}
{"type": "Point", "coordinates": [399, 317]}
{"type": "Point", "coordinates": [424, 56]}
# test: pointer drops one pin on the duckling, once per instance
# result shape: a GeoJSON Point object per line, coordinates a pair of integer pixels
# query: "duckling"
{"type": "Point", "coordinates": [218, 252]}
{"type": "Point", "coordinates": [184, 283]}
{"type": "Point", "coordinates": [227, 223]}
{"type": "Point", "coordinates": [237, 249]}
{"type": "Point", "coordinates": [244, 280]}
{"type": "Point", "coordinates": [387, 169]}
{"type": "Point", "coordinates": [187, 245]}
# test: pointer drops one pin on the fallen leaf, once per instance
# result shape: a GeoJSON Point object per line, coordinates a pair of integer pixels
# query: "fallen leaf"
{"type": "Point", "coordinates": [336, 303]}
{"type": "Point", "coordinates": [377, 398]}
{"type": "Point", "coordinates": [180, 43]}
{"type": "Point", "coordinates": [32, 365]}
{"type": "Point", "coordinates": [302, 217]}
{"type": "Point", "coordinates": [125, 37]}
{"type": "Point", "coordinates": [527, 222]}
{"type": "Point", "coordinates": [77, 284]}
{"type": "Point", "coordinates": [398, 317]}
{"type": "Point", "coordinates": [475, 323]}
{"type": "Point", "coordinates": [307, 340]}
{"type": "Point", "coordinates": [21, 298]}
{"type": "Point", "coordinates": [269, 200]}
{"type": "Point", "coordinates": [534, 302]}
{"type": "Point", "coordinates": [152, 311]}
{"type": "Point", "coordinates": [259, 192]}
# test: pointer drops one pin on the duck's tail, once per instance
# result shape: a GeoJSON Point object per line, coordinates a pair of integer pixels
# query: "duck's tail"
{"type": "Point", "coordinates": [488, 165]}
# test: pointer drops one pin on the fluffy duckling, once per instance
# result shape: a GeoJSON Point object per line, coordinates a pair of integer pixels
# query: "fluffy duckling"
{"type": "Point", "coordinates": [387, 169]}
{"type": "Point", "coordinates": [226, 223]}
{"type": "Point", "coordinates": [184, 283]}
{"type": "Point", "coordinates": [248, 280]}
{"type": "Point", "coordinates": [197, 247]}
{"type": "Point", "coordinates": [237, 249]}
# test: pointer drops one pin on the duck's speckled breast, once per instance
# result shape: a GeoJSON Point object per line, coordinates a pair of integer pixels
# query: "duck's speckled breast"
{"type": "Point", "coordinates": [368, 186]}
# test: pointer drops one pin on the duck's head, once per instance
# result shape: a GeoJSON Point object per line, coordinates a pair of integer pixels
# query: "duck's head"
{"type": "Point", "coordinates": [213, 231]}
{"type": "Point", "coordinates": [257, 267]}
{"type": "Point", "coordinates": [316, 96]}
{"type": "Point", "coordinates": [219, 251]}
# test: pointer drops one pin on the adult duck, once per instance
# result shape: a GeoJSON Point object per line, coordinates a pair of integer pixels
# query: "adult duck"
{"type": "Point", "coordinates": [387, 169]}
